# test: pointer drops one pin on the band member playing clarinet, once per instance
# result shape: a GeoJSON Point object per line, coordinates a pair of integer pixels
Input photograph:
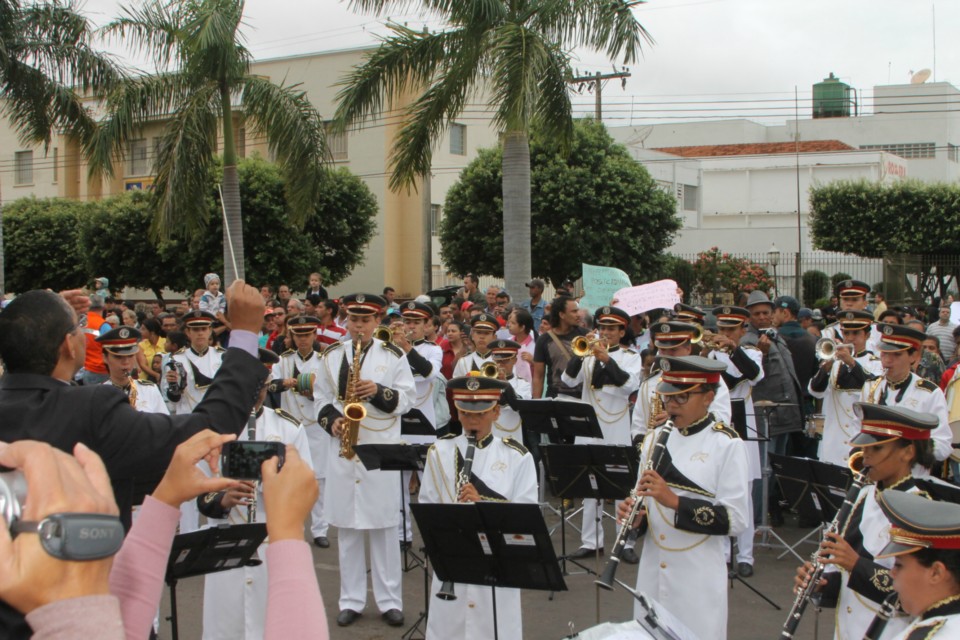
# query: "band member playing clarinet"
{"type": "Point", "coordinates": [696, 498]}
{"type": "Point", "coordinates": [476, 466]}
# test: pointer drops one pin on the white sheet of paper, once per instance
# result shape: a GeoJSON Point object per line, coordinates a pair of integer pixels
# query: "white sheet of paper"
{"type": "Point", "coordinates": [661, 294]}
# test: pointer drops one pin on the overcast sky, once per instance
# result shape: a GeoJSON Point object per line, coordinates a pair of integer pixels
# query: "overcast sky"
{"type": "Point", "coordinates": [722, 56]}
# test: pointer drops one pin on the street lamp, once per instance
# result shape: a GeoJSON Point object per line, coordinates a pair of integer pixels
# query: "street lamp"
{"type": "Point", "coordinates": [773, 257]}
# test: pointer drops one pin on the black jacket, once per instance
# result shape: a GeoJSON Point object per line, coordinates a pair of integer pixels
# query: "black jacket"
{"type": "Point", "coordinates": [131, 443]}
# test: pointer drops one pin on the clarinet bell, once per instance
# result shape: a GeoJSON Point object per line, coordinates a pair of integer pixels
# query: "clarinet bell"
{"type": "Point", "coordinates": [446, 591]}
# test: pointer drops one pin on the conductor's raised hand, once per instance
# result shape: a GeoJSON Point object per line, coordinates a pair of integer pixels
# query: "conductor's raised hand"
{"type": "Point", "coordinates": [77, 299]}
{"type": "Point", "coordinates": [183, 480]}
{"type": "Point", "coordinates": [288, 495]}
{"type": "Point", "coordinates": [245, 307]}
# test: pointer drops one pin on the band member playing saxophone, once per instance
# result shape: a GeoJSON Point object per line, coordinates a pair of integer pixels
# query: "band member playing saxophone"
{"type": "Point", "coordinates": [694, 502]}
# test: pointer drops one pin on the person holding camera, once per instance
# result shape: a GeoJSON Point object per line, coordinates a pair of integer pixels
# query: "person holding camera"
{"type": "Point", "coordinates": [243, 591]}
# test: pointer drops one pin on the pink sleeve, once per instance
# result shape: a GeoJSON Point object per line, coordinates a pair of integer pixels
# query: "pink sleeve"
{"type": "Point", "coordinates": [294, 604]}
{"type": "Point", "coordinates": [86, 617]}
{"type": "Point", "coordinates": [138, 570]}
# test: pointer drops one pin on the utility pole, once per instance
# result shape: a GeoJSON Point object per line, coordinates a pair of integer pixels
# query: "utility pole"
{"type": "Point", "coordinates": [597, 80]}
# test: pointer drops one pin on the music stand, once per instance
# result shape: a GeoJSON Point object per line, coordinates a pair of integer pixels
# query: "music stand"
{"type": "Point", "coordinates": [396, 457]}
{"type": "Point", "coordinates": [796, 479]}
{"type": "Point", "coordinates": [491, 544]}
{"type": "Point", "coordinates": [414, 423]}
{"type": "Point", "coordinates": [210, 550]}
{"type": "Point", "coordinates": [763, 438]}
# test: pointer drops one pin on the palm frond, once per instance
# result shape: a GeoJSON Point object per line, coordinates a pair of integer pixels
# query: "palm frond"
{"type": "Point", "coordinates": [407, 59]}
{"type": "Point", "coordinates": [553, 113]}
{"type": "Point", "coordinates": [213, 41]}
{"type": "Point", "coordinates": [295, 134]}
{"type": "Point", "coordinates": [604, 25]}
{"type": "Point", "coordinates": [183, 163]}
{"type": "Point", "coordinates": [518, 55]}
{"type": "Point", "coordinates": [153, 27]}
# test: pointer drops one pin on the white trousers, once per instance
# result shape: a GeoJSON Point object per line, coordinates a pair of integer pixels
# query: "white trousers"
{"type": "Point", "coordinates": [189, 517]}
{"type": "Point", "coordinates": [591, 531]}
{"type": "Point", "coordinates": [385, 570]}
{"type": "Point", "coordinates": [405, 534]}
{"type": "Point", "coordinates": [318, 526]}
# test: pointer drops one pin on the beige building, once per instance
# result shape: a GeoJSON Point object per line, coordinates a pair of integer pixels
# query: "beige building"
{"type": "Point", "coordinates": [394, 256]}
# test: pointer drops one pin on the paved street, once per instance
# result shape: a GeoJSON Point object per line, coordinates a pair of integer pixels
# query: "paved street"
{"type": "Point", "coordinates": [750, 617]}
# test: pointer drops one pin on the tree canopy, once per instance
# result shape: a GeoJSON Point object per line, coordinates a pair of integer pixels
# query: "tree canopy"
{"type": "Point", "coordinates": [596, 205]}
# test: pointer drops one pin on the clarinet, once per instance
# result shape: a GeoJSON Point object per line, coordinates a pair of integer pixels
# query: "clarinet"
{"type": "Point", "coordinates": [838, 524]}
{"type": "Point", "coordinates": [888, 609]}
{"type": "Point", "coordinates": [653, 462]}
{"type": "Point", "coordinates": [447, 591]}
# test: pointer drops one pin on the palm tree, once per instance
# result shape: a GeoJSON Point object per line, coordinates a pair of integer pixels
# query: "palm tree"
{"type": "Point", "coordinates": [515, 51]}
{"type": "Point", "coordinates": [46, 67]}
{"type": "Point", "coordinates": [203, 70]}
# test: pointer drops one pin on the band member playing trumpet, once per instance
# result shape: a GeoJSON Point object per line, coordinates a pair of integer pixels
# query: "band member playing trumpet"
{"type": "Point", "coordinates": [925, 547]}
{"type": "Point", "coordinates": [900, 387]}
{"type": "Point", "coordinates": [744, 370]}
{"type": "Point", "coordinates": [235, 601]}
{"type": "Point", "coordinates": [892, 440]}
{"type": "Point", "coordinates": [608, 374]}
{"type": "Point", "coordinates": [425, 359]}
{"type": "Point", "coordinates": [508, 425]}
{"type": "Point", "coordinates": [292, 378]}
{"type": "Point", "coordinates": [838, 383]}
{"type": "Point", "coordinates": [502, 470]}
{"type": "Point", "coordinates": [120, 348]}
{"type": "Point", "coordinates": [695, 500]}
{"type": "Point", "coordinates": [357, 501]}
{"type": "Point", "coordinates": [483, 330]}
{"type": "Point", "coordinates": [852, 296]}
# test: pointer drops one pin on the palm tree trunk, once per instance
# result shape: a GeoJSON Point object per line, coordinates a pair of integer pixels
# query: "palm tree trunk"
{"type": "Point", "coordinates": [233, 260]}
{"type": "Point", "coordinates": [3, 279]}
{"type": "Point", "coordinates": [516, 212]}
{"type": "Point", "coordinates": [426, 204]}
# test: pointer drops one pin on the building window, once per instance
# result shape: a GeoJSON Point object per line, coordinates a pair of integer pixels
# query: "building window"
{"type": "Point", "coordinates": [23, 167]}
{"type": "Point", "coordinates": [953, 152]}
{"type": "Point", "coordinates": [690, 194]}
{"type": "Point", "coordinates": [434, 219]}
{"type": "Point", "coordinates": [907, 151]}
{"type": "Point", "coordinates": [336, 142]}
{"type": "Point", "coordinates": [458, 139]}
{"type": "Point", "coordinates": [56, 165]}
{"type": "Point", "coordinates": [138, 164]}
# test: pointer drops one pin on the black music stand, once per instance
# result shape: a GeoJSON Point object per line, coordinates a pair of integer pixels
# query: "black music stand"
{"type": "Point", "coordinates": [798, 480]}
{"type": "Point", "coordinates": [210, 550]}
{"type": "Point", "coordinates": [597, 471]}
{"type": "Point", "coordinates": [414, 423]}
{"type": "Point", "coordinates": [561, 420]}
{"type": "Point", "coordinates": [491, 544]}
{"type": "Point", "coordinates": [396, 457]}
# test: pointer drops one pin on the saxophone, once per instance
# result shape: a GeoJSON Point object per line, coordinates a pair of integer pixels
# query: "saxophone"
{"type": "Point", "coordinates": [132, 397]}
{"type": "Point", "coordinates": [656, 408]}
{"type": "Point", "coordinates": [353, 409]}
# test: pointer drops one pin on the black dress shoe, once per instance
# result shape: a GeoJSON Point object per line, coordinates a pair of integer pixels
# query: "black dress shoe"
{"type": "Point", "coordinates": [584, 552]}
{"type": "Point", "coordinates": [629, 556]}
{"type": "Point", "coordinates": [321, 541]}
{"type": "Point", "coordinates": [745, 569]}
{"type": "Point", "coordinates": [393, 617]}
{"type": "Point", "coordinates": [347, 617]}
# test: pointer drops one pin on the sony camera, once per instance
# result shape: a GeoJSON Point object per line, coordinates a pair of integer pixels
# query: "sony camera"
{"type": "Point", "coordinates": [770, 333]}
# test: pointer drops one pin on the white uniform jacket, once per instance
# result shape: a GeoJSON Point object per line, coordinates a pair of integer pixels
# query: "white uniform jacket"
{"type": "Point", "coordinates": [505, 471]}
{"type": "Point", "coordinates": [683, 551]}
{"type": "Point", "coordinates": [471, 362]}
{"type": "Point", "coordinates": [839, 391]}
{"type": "Point", "coordinates": [425, 360]}
{"type": "Point", "coordinates": [916, 394]}
{"type": "Point", "coordinates": [148, 398]}
{"type": "Point", "coordinates": [200, 368]}
{"type": "Point", "coordinates": [741, 380]}
{"type": "Point", "coordinates": [304, 406]}
{"type": "Point", "coordinates": [720, 407]}
{"type": "Point", "coordinates": [235, 601]}
{"type": "Point", "coordinates": [508, 424]}
{"type": "Point", "coordinates": [607, 389]}
{"type": "Point", "coordinates": [939, 623]}
{"type": "Point", "coordinates": [354, 497]}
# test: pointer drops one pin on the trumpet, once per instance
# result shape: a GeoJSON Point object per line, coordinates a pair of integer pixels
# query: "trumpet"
{"type": "Point", "coordinates": [582, 346]}
{"type": "Point", "coordinates": [708, 340]}
{"type": "Point", "coordinates": [697, 334]}
{"type": "Point", "coordinates": [827, 349]}
{"type": "Point", "coordinates": [383, 333]}
{"type": "Point", "coordinates": [490, 369]}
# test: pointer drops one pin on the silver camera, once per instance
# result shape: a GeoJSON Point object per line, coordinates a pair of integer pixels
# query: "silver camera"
{"type": "Point", "coordinates": [13, 493]}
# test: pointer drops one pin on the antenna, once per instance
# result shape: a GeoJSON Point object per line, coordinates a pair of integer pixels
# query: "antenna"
{"type": "Point", "coordinates": [920, 76]}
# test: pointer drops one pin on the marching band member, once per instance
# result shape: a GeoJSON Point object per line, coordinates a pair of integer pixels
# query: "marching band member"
{"type": "Point", "coordinates": [483, 331]}
{"type": "Point", "coordinates": [120, 347]}
{"type": "Point", "coordinates": [744, 364]}
{"type": "Point", "coordinates": [508, 425]}
{"type": "Point", "coordinates": [695, 500]}
{"type": "Point", "coordinates": [357, 501]}
{"type": "Point", "coordinates": [191, 373]}
{"type": "Point", "coordinates": [502, 470]}
{"type": "Point", "coordinates": [892, 440]}
{"type": "Point", "coordinates": [925, 545]}
{"type": "Point", "coordinates": [900, 387]}
{"type": "Point", "coordinates": [852, 296]}
{"type": "Point", "coordinates": [291, 377]}
{"type": "Point", "coordinates": [425, 359]}
{"type": "Point", "coordinates": [235, 601]}
{"type": "Point", "coordinates": [607, 376]}
{"type": "Point", "coordinates": [839, 390]}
